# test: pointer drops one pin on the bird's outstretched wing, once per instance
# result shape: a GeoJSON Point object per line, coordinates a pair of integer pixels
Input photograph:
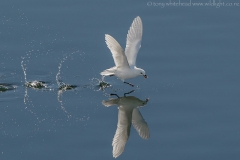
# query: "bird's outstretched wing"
{"type": "Point", "coordinates": [134, 38]}
{"type": "Point", "coordinates": [119, 57]}
{"type": "Point", "coordinates": [122, 132]}
{"type": "Point", "coordinates": [140, 124]}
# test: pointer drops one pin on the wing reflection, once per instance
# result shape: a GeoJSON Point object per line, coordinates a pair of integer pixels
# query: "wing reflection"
{"type": "Point", "coordinates": [128, 113]}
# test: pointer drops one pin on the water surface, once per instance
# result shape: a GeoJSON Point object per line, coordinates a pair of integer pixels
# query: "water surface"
{"type": "Point", "coordinates": [190, 54]}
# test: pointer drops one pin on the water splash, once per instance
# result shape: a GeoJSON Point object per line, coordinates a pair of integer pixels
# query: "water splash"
{"type": "Point", "coordinates": [98, 84]}
{"type": "Point", "coordinates": [24, 70]}
{"type": "Point", "coordinates": [59, 98]}
{"type": "Point", "coordinates": [3, 88]}
{"type": "Point", "coordinates": [36, 84]}
{"type": "Point", "coordinates": [31, 84]}
{"type": "Point", "coordinates": [6, 87]}
{"type": "Point", "coordinates": [62, 85]}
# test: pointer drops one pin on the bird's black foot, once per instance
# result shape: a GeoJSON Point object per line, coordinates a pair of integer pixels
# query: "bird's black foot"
{"type": "Point", "coordinates": [112, 94]}
{"type": "Point", "coordinates": [129, 84]}
{"type": "Point", "coordinates": [128, 93]}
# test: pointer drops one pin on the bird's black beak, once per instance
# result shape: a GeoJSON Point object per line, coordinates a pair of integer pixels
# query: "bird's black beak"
{"type": "Point", "coordinates": [145, 76]}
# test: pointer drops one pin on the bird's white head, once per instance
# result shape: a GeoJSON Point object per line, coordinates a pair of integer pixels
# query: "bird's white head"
{"type": "Point", "coordinates": [141, 72]}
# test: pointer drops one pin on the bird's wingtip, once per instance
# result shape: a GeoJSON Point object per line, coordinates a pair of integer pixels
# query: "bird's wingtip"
{"type": "Point", "coordinates": [138, 17]}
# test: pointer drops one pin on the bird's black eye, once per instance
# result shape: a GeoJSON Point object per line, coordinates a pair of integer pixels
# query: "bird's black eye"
{"type": "Point", "coordinates": [141, 73]}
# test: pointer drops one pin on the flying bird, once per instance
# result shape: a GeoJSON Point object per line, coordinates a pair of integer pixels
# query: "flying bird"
{"type": "Point", "coordinates": [125, 61]}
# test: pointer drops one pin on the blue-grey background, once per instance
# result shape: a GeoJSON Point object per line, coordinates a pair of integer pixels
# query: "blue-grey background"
{"type": "Point", "coordinates": [190, 54]}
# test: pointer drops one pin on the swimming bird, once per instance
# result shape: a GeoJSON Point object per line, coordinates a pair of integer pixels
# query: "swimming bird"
{"type": "Point", "coordinates": [128, 113]}
{"type": "Point", "coordinates": [125, 61]}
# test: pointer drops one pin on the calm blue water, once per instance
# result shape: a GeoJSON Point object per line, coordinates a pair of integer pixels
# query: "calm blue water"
{"type": "Point", "coordinates": [190, 54]}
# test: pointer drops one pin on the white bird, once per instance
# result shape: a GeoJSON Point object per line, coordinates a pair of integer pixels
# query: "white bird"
{"type": "Point", "coordinates": [126, 61]}
{"type": "Point", "coordinates": [127, 113]}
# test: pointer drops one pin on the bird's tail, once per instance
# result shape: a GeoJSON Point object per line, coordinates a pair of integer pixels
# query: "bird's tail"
{"type": "Point", "coordinates": [108, 72]}
{"type": "Point", "coordinates": [110, 102]}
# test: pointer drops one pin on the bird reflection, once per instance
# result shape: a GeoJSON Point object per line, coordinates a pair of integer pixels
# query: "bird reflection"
{"type": "Point", "coordinates": [128, 113]}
